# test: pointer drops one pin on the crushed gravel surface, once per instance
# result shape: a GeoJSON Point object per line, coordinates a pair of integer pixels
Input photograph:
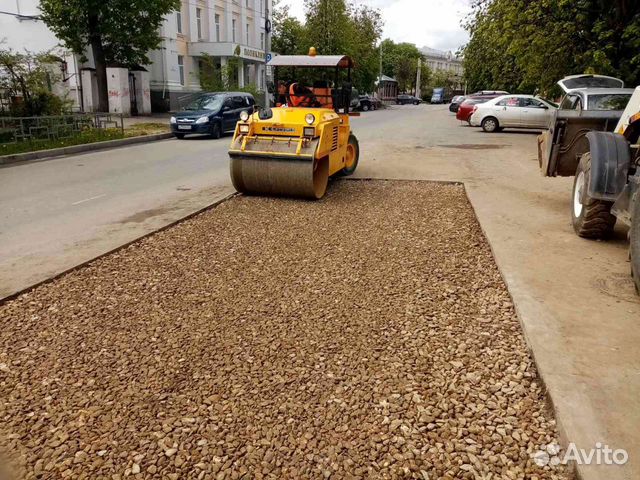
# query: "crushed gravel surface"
{"type": "Point", "coordinates": [368, 335]}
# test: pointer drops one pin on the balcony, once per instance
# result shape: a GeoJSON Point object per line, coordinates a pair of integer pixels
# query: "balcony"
{"type": "Point", "coordinates": [225, 49]}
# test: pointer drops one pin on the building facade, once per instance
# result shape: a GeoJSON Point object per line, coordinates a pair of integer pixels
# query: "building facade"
{"type": "Point", "coordinates": [222, 29]}
{"type": "Point", "coordinates": [21, 30]}
{"type": "Point", "coordinates": [439, 60]}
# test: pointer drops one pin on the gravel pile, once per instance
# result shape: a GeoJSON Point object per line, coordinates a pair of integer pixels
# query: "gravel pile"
{"type": "Point", "coordinates": [368, 335]}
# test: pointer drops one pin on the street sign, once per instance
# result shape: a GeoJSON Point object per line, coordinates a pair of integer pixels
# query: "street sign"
{"type": "Point", "coordinates": [269, 57]}
{"type": "Point", "coordinates": [269, 70]}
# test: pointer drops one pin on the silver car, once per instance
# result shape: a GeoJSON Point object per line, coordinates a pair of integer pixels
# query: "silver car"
{"type": "Point", "coordinates": [513, 111]}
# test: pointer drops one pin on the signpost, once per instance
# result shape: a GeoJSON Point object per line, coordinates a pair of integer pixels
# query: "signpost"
{"type": "Point", "coordinates": [267, 55]}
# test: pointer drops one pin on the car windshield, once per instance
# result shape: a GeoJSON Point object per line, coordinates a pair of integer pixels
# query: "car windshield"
{"type": "Point", "coordinates": [609, 101]}
{"type": "Point", "coordinates": [592, 82]}
{"type": "Point", "coordinates": [206, 102]}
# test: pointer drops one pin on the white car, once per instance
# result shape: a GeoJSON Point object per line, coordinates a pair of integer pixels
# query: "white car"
{"type": "Point", "coordinates": [513, 111]}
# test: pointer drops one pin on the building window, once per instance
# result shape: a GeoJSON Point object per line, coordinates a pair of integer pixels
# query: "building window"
{"type": "Point", "coordinates": [247, 34]}
{"type": "Point", "coordinates": [217, 21]}
{"type": "Point", "coordinates": [181, 68]}
{"type": "Point", "coordinates": [199, 22]}
{"type": "Point", "coordinates": [179, 21]}
{"type": "Point", "coordinates": [262, 41]}
{"type": "Point", "coordinates": [233, 30]}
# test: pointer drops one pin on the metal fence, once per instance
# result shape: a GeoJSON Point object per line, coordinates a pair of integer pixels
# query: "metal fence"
{"type": "Point", "coordinates": [29, 129]}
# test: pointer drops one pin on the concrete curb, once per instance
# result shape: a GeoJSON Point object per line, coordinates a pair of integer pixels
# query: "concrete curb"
{"type": "Point", "coordinates": [75, 149]}
{"type": "Point", "coordinates": [563, 434]}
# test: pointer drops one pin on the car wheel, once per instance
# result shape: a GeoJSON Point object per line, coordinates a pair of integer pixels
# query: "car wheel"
{"type": "Point", "coordinates": [352, 156]}
{"type": "Point", "coordinates": [365, 108]}
{"type": "Point", "coordinates": [490, 124]}
{"type": "Point", "coordinates": [179, 136]}
{"type": "Point", "coordinates": [216, 131]}
{"type": "Point", "coordinates": [591, 218]}
{"type": "Point", "coordinates": [416, 103]}
{"type": "Point", "coordinates": [634, 249]}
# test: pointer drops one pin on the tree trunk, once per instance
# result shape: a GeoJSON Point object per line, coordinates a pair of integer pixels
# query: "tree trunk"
{"type": "Point", "coordinates": [95, 39]}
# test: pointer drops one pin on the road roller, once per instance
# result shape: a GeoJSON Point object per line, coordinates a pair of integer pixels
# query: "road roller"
{"type": "Point", "coordinates": [294, 147]}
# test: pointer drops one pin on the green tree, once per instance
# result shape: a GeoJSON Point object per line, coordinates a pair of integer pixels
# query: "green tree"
{"type": "Point", "coordinates": [288, 34]}
{"type": "Point", "coordinates": [366, 32]}
{"type": "Point", "coordinates": [334, 27]}
{"type": "Point", "coordinates": [116, 31]}
{"type": "Point", "coordinates": [329, 26]}
{"type": "Point", "coordinates": [524, 45]}
{"type": "Point", "coordinates": [400, 60]}
{"type": "Point", "coordinates": [30, 77]}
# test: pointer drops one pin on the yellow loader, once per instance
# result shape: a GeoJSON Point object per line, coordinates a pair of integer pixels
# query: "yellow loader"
{"type": "Point", "coordinates": [293, 148]}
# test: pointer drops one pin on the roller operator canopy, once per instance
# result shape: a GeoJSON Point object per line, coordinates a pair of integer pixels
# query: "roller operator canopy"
{"type": "Point", "coordinates": [308, 61]}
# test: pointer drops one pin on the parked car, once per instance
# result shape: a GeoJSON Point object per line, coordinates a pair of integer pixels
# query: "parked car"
{"type": "Point", "coordinates": [484, 93]}
{"type": "Point", "coordinates": [596, 99]}
{"type": "Point", "coordinates": [582, 109]}
{"type": "Point", "coordinates": [355, 100]}
{"type": "Point", "coordinates": [465, 109]}
{"type": "Point", "coordinates": [408, 99]}
{"type": "Point", "coordinates": [512, 111]}
{"type": "Point", "coordinates": [455, 103]}
{"type": "Point", "coordinates": [369, 103]}
{"type": "Point", "coordinates": [212, 114]}
{"type": "Point", "coordinates": [438, 96]}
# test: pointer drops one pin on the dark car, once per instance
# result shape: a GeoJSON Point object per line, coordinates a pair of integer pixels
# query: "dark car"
{"type": "Point", "coordinates": [455, 103]}
{"type": "Point", "coordinates": [212, 114]}
{"type": "Point", "coordinates": [368, 103]}
{"type": "Point", "coordinates": [408, 99]}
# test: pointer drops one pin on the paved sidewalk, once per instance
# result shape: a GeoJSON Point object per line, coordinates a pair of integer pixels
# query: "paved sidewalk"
{"type": "Point", "coordinates": [575, 298]}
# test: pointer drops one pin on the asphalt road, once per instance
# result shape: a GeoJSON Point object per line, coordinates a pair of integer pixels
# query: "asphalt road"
{"type": "Point", "coordinates": [57, 213]}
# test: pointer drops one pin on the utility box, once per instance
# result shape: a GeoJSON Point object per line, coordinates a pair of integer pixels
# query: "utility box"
{"type": "Point", "coordinates": [90, 100]}
{"type": "Point", "coordinates": [140, 92]}
{"type": "Point", "coordinates": [119, 93]}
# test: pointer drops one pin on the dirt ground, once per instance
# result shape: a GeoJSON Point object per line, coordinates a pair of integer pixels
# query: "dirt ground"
{"type": "Point", "coordinates": [369, 335]}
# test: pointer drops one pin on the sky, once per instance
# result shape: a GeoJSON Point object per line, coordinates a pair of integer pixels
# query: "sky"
{"type": "Point", "coordinates": [427, 23]}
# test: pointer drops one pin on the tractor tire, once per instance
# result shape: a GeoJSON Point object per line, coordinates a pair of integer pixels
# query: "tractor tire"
{"type": "Point", "coordinates": [179, 136]}
{"type": "Point", "coordinates": [353, 150]}
{"type": "Point", "coordinates": [634, 249]}
{"type": "Point", "coordinates": [216, 131]}
{"type": "Point", "coordinates": [490, 124]}
{"type": "Point", "coordinates": [591, 218]}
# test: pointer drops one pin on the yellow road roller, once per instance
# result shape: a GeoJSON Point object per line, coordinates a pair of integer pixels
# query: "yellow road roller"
{"type": "Point", "coordinates": [293, 148]}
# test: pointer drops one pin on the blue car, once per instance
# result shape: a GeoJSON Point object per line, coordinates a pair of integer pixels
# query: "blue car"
{"type": "Point", "coordinates": [212, 114]}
